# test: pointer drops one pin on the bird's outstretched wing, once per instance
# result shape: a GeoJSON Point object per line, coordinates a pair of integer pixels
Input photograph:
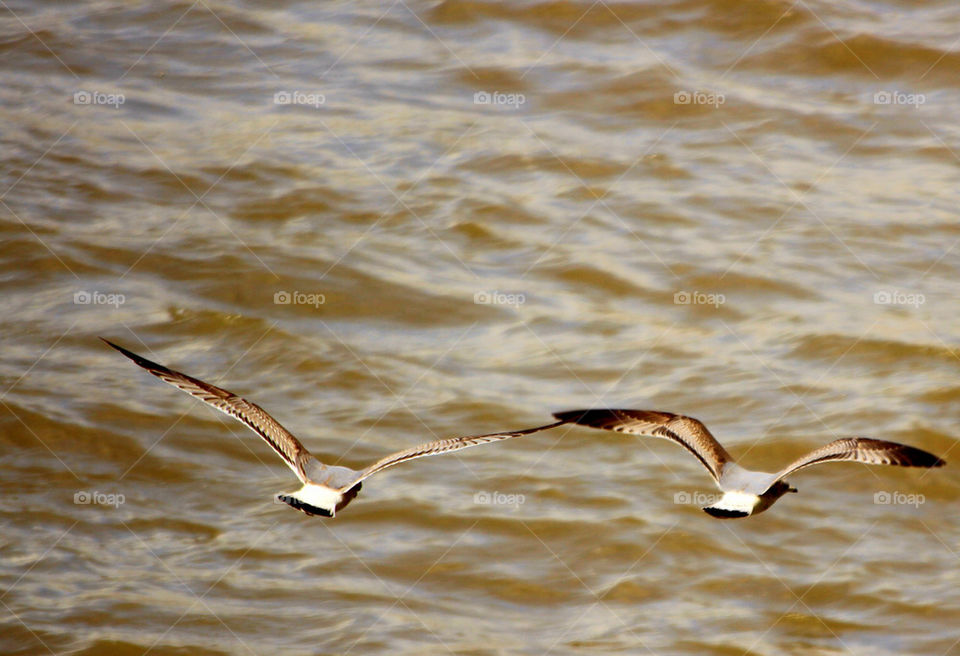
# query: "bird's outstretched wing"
{"type": "Point", "coordinates": [685, 431]}
{"type": "Point", "coordinates": [865, 450]}
{"type": "Point", "coordinates": [283, 442]}
{"type": "Point", "coordinates": [445, 446]}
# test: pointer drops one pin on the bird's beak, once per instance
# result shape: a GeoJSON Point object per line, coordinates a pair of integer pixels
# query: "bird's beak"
{"type": "Point", "coordinates": [791, 489]}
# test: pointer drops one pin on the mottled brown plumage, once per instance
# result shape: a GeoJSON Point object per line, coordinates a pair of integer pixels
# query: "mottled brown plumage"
{"type": "Point", "coordinates": [327, 488]}
{"type": "Point", "coordinates": [745, 492]}
{"type": "Point", "coordinates": [685, 431]}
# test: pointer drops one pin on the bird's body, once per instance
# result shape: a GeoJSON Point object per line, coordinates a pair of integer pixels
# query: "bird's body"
{"type": "Point", "coordinates": [745, 492]}
{"type": "Point", "coordinates": [326, 489]}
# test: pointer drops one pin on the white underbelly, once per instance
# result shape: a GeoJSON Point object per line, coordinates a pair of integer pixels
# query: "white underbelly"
{"type": "Point", "coordinates": [320, 496]}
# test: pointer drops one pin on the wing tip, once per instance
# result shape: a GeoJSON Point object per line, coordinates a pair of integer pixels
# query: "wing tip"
{"type": "Point", "coordinates": [920, 458]}
{"type": "Point", "coordinates": [130, 354]}
{"type": "Point", "coordinates": [930, 461]}
{"type": "Point", "coordinates": [108, 342]}
{"type": "Point", "coordinates": [908, 456]}
{"type": "Point", "coordinates": [594, 417]}
{"type": "Point", "coordinates": [572, 416]}
{"type": "Point", "coordinates": [149, 365]}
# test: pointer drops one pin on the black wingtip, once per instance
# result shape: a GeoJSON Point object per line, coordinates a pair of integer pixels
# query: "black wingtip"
{"type": "Point", "coordinates": [925, 458]}
{"type": "Point", "coordinates": [903, 455]}
{"type": "Point", "coordinates": [140, 360]}
{"type": "Point", "coordinates": [919, 458]}
{"type": "Point", "coordinates": [578, 416]}
{"type": "Point", "coordinates": [129, 354]}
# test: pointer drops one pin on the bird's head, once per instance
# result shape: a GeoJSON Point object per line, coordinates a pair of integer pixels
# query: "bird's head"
{"type": "Point", "coordinates": [778, 489]}
{"type": "Point", "coordinates": [773, 493]}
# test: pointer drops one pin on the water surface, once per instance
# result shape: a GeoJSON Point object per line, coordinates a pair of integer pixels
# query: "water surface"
{"type": "Point", "coordinates": [481, 213]}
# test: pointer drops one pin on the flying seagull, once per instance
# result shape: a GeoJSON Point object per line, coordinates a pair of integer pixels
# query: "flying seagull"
{"type": "Point", "coordinates": [745, 492]}
{"type": "Point", "coordinates": [326, 488]}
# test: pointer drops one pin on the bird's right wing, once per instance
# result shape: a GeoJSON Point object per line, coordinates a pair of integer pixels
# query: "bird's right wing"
{"type": "Point", "coordinates": [865, 450]}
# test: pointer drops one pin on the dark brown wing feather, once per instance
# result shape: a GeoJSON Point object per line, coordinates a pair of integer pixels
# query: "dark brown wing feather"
{"type": "Point", "coordinates": [278, 437]}
{"type": "Point", "coordinates": [865, 450]}
{"type": "Point", "coordinates": [685, 431]}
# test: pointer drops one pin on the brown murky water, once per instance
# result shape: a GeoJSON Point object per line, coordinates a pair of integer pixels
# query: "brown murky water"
{"type": "Point", "coordinates": [479, 213]}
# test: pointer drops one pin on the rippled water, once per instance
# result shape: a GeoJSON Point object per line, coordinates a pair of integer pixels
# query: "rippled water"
{"type": "Point", "coordinates": [481, 213]}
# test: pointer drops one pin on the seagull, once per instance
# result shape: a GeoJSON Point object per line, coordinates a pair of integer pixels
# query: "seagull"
{"type": "Point", "coordinates": [326, 488]}
{"type": "Point", "coordinates": [745, 492]}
